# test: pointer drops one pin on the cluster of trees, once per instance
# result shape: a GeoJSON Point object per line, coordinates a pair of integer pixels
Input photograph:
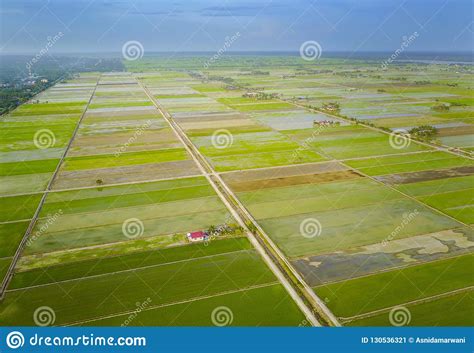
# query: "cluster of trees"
{"type": "Point", "coordinates": [256, 73]}
{"type": "Point", "coordinates": [441, 108]}
{"type": "Point", "coordinates": [331, 107]}
{"type": "Point", "coordinates": [260, 95]}
{"type": "Point", "coordinates": [228, 80]}
{"type": "Point", "coordinates": [20, 80]}
{"type": "Point", "coordinates": [13, 96]}
{"type": "Point", "coordinates": [224, 229]}
{"type": "Point", "coordinates": [424, 132]}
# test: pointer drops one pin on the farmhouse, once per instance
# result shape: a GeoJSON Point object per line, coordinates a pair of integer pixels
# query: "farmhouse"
{"type": "Point", "coordinates": [197, 236]}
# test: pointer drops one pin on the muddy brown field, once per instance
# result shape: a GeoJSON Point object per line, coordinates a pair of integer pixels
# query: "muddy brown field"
{"type": "Point", "coordinates": [406, 178]}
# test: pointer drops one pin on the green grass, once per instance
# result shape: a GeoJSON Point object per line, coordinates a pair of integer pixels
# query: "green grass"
{"type": "Point", "coordinates": [208, 88]}
{"type": "Point", "coordinates": [118, 104]}
{"type": "Point", "coordinates": [295, 192]}
{"type": "Point", "coordinates": [352, 227]}
{"type": "Point", "coordinates": [20, 136]}
{"type": "Point", "coordinates": [458, 204]}
{"type": "Point", "coordinates": [362, 295]}
{"type": "Point", "coordinates": [28, 167]}
{"type": "Point", "coordinates": [455, 310]}
{"type": "Point", "coordinates": [134, 260]}
{"type": "Point", "coordinates": [255, 150]}
{"type": "Point", "coordinates": [262, 106]}
{"type": "Point", "coordinates": [72, 202]}
{"type": "Point", "coordinates": [106, 191]}
{"type": "Point", "coordinates": [71, 236]}
{"type": "Point", "coordinates": [453, 196]}
{"type": "Point", "coordinates": [27, 183]}
{"type": "Point", "coordinates": [94, 297]}
{"type": "Point", "coordinates": [303, 203]}
{"type": "Point", "coordinates": [263, 160]}
{"type": "Point", "coordinates": [352, 213]}
{"type": "Point", "coordinates": [4, 264]}
{"type": "Point", "coordinates": [49, 108]}
{"type": "Point", "coordinates": [231, 101]}
{"type": "Point", "coordinates": [124, 159]}
{"type": "Point", "coordinates": [432, 187]}
{"type": "Point", "coordinates": [171, 96]}
{"type": "Point", "coordinates": [408, 163]}
{"type": "Point", "coordinates": [18, 207]}
{"type": "Point", "coordinates": [10, 236]}
{"type": "Point", "coordinates": [268, 306]}
{"type": "Point", "coordinates": [349, 142]}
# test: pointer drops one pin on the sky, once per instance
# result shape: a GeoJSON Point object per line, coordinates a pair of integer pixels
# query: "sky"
{"type": "Point", "coordinates": [86, 26]}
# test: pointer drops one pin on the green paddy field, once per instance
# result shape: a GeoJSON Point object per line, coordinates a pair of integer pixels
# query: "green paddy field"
{"type": "Point", "coordinates": [112, 192]}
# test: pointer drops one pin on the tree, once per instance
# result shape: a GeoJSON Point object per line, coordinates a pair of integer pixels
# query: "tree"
{"type": "Point", "coordinates": [424, 132]}
{"type": "Point", "coordinates": [211, 229]}
{"type": "Point", "coordinates": [440, 108]}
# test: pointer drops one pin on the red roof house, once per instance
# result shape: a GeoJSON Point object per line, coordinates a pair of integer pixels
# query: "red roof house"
{"type": "Point", "coordinates": [197, 236]}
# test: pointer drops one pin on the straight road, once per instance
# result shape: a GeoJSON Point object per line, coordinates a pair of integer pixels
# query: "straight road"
{"type": "Point", "coordinates": [300, 292]}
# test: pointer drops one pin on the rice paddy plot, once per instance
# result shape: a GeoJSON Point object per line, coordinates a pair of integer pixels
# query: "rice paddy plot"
{"type": "Point", "coordinates": [452, 310]}
{"type": "Point", "coordinates": [92, 298]}
{"type": "Point", "coordinates": [408, 163]}
{"type": "Point", "coordinates": [353, 141]}
{"type": "Point", "coordinates": [386, 289]}
{"type": "Point", "coordinates": [262, 306]}
{"type": "Point", "coordinates": [351, 213]}
{"type": "Point", "coordinates": [254, 150]}
{"type": "Point", "coordinates": [453, 196]}
{"type": "Point", "coordinates": [158, 209]}
{"type": "Point", "coordinates": [33, 271]}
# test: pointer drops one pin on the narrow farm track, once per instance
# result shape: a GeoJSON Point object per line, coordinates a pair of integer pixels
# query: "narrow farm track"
{"type": "Point", "coordinates": [19, 250]}
{"type": "Point", "coordinates": [301, 293]}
